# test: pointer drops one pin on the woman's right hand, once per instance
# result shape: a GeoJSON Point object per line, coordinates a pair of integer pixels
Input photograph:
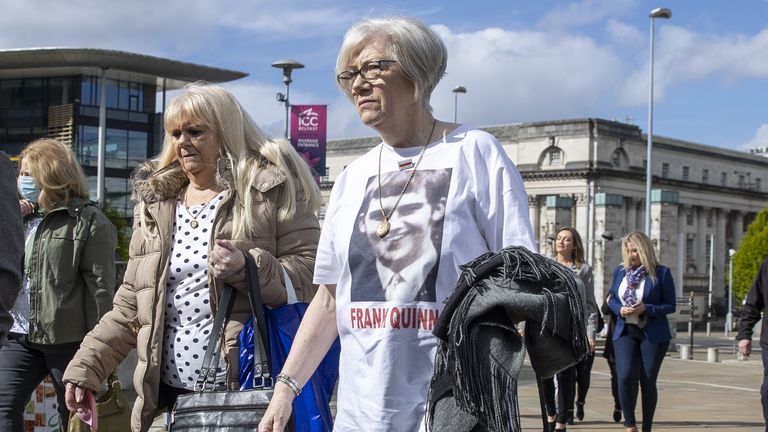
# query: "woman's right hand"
{"type": "Point", "coordinates": [279, 410]}
{"type": "Point", "coordinates": [27, 207]}
{"type": "Point", "coordinates": [75, 398]}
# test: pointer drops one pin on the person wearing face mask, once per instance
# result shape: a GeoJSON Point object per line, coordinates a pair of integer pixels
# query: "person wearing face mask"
{"type": "Point", "coordinates": [69, 277]}
{"type": "Point", "coordinates": [642, 295]}
{"type": "Point", "coordinates": [11, 243]}
{"type": "Point", "coordinates": [30, 196]}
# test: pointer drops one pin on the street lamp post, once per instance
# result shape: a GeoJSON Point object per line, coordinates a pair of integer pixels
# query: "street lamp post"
{"type": "Point", "coordinates": [662, 13]}
{"type": "Point", "coordinates": [729, 315]}
{"type": "Point", "coordinates": [287, 66]}
{"type": "Point", "coordinates": [456, 90]}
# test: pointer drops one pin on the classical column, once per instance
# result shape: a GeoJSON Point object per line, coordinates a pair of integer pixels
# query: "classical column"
{"type": "Point", "coordinates": [737, 227]}
{"type": "Point", "coordinates": [682, 213]}
{"type": "Point", "coordinates": [700, 251]}
{"type": "Point", "coordinates": [639, 213]}
{"type": "Point", "coordinates": [721, 254]}
{"type": "Point", "coordinates": [582, 222]}
{"type": "Point", "coordinates": [630, 213]}
{"type": "Point", "coordinates": [534, 214]}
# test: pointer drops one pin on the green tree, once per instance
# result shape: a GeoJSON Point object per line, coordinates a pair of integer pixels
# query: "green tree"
{"type": "Point", "coordinates": [749, 256]}
{"type": "Point", "coordinates": [121, 224]}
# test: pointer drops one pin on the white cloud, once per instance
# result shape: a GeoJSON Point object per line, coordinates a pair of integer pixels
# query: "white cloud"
{"type": "Point", "coordinates": [760, 140]}
{"type": "Point", "coordinates": [162, 27]}
{"type": "Point", "coordinates": [523, 76]}
{"type": "Point", "coordinates": [625, 34]}
{"type": "Point", "coordinates": [260, 102]}
{"type": "Point", "coordinates": [275, 20]}
{"type": "Point", "coordinates": [510, 77]}
{"type": "Point", "coordinates": [684, 56]}
{"type": "Point", "coordinates": [142, 25]}
{"type": "Point", "coordinates": [583, 13]}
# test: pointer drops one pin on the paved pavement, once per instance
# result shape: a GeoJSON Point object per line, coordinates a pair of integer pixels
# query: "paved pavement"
{"type": "Point", "coordinates": [694, 395]}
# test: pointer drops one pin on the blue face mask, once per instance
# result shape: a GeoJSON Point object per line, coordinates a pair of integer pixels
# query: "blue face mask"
{"type": "Point", "coordinates": [28, 189]}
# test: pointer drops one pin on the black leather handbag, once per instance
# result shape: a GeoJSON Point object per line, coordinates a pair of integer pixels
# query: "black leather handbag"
{"type": "Point", "coordinates": [209, 410]}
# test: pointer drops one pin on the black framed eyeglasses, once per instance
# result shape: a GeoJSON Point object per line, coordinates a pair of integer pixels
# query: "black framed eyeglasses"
{"type": "Point", "coordinates": [370, 71]}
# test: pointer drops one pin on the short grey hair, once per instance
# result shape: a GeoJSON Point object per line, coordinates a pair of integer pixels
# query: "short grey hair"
{"type": "Point", "coordinates": [418, 50]}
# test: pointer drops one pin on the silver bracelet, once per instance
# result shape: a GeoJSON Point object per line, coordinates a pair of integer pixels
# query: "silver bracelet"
{"type": "Point", "coordinates": [290, 382]}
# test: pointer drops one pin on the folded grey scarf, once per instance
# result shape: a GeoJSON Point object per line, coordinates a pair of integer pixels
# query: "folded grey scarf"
{"type": "Point", "coordinates": [480, 352]}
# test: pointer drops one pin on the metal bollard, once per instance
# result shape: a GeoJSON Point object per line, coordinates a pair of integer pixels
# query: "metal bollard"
{"type": "Point", "coordinates": [713, 355]}
{"type": "Point", "coordinates": [685, 352]}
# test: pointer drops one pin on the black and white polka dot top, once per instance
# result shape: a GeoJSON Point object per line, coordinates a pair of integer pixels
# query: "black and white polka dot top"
{"type": "Point", "coordinates": [188, 316]}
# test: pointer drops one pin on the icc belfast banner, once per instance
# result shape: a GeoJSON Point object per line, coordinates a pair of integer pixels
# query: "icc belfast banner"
{"type": "Point", "coordinates": [308, 134]}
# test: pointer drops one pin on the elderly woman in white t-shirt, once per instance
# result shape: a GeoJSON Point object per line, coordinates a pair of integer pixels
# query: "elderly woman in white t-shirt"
{"type": "Point", "coordinates": [431, 196]}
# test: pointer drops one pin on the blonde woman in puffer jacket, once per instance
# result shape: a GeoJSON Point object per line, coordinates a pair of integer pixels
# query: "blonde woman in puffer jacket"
{"type": "Point", "coordinates": [218, 188]}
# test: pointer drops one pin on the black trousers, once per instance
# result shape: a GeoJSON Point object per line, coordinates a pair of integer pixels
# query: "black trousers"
{"type": "Point", "coordinates": [583, 375]}
{"type": "Point", "coordinates": [24, 365]}
{"type": "Point", "coordinates": [168, 395]}
{"type": "Point", "coordinates": [564, 394]}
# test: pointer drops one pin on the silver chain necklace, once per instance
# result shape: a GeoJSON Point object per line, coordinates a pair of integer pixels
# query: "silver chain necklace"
{"type": "Point", "coordinates": [383, 228]}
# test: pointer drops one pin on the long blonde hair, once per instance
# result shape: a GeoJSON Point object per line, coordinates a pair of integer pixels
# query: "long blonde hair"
{"type": "Point", "coordinates": [54, 167]}
{"type": "Point", "coordinates": [644, 249]}
{"type": "Point", "coordinates": [245, 146]}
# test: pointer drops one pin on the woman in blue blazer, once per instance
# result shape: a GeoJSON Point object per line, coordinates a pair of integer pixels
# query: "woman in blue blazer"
{"type": "Point", "coordinates": [642, 295]}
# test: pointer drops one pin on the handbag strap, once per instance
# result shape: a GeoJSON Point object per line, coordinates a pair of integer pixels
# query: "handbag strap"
{"type": "Point", "coordinates": [211, 358]}
{"type": "Point", "coordinates": [113, 382]}
{"type": "Point", "coordinates": [207, 376]}
{"type": "Point", "coordinates": [290, 291]}
{"type": "Point", "coordinates": [260, 370]}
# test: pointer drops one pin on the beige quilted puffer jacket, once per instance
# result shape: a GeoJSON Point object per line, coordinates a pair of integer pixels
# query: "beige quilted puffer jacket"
{"type": "Point", "coordinates": [137, 318]}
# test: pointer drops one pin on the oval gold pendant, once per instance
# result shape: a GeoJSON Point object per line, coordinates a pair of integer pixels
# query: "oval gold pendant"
{"type": "Point", "coordinates": [383, 229]}
{"type": "Point", "coordinates": [193, 224]}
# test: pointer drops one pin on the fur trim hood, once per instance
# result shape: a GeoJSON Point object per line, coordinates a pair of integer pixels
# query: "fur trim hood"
{"type": "Point", "coordinates": [152, 185]}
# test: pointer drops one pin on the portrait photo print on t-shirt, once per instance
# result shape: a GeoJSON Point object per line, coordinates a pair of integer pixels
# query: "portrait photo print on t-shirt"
{"type": "Point", "coordinates": [402, 266]}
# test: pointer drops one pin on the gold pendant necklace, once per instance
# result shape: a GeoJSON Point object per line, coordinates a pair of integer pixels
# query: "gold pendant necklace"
{"type": "Point", "coordinates": [383, 228]}
{"type": "Point", "coordinates": [193, 219]}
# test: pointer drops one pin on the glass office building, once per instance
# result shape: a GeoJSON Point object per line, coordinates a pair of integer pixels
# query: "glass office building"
{"type": "Point", "coordinates": [51, 92]}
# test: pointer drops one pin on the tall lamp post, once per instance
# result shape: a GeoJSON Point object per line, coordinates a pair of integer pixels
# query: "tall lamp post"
{"type": "Point", "coordinates": [456, 90]}
{"type": "Point", "coordinates": [287, 65]}
{"type": "Point", "coordinates": [729, 315]}
{"type": "Point", "coordinates": [662, 13]}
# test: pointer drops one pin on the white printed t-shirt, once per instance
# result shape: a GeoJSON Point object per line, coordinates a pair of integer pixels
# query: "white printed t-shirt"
{"type": "Point", "coordinates": [467, 198]}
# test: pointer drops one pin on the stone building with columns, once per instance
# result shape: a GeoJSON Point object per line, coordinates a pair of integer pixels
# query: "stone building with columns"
{"type": "Point", "coordinates": [590, 174]}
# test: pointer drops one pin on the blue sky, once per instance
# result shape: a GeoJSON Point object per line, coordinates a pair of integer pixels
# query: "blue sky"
{"type": "Point", "coordinates": [520, 60]}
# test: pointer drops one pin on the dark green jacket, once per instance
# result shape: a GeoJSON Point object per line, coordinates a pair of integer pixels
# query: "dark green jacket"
{"type": "Point", "coordinates": [71, 269]}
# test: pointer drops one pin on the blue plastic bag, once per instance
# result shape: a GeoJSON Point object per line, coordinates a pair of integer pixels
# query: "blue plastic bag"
{"type": "Point", "coordinates": [311, 408]}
